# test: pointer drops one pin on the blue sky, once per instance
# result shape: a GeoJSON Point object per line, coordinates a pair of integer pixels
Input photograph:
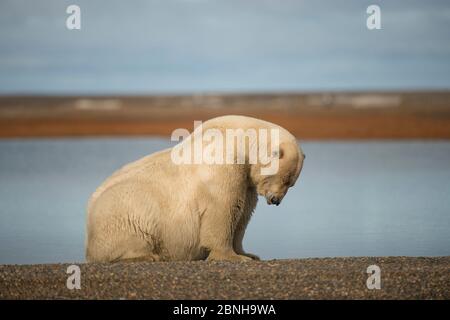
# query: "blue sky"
{"type": "Point", "coordinates": [185, 46]}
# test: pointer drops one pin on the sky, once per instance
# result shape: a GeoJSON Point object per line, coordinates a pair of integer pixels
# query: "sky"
{"type": "Point", "coordinates": [201, 46]}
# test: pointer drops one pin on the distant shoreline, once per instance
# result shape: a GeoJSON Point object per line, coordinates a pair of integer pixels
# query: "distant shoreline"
{"type": "Point", "coordinates": [324, 278]}
{"type": "Point", "coordinates": [315, 116]}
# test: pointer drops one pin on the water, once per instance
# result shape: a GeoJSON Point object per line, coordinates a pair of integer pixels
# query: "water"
{"type": "Point", "coordinates": [352, 199]}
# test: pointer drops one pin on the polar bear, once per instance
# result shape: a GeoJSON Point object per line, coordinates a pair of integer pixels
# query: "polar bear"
{"type": "Point", "coordinates": [155, 209]}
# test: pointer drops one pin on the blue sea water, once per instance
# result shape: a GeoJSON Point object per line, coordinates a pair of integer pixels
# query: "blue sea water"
{"type": "Point", "coordinates": [352, 199]}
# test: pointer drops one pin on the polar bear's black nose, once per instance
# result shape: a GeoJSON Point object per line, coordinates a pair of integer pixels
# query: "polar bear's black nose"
{"type": "Point", "coordinates": [275, 200]}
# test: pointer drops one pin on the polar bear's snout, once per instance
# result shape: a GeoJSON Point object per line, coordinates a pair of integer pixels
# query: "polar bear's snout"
{"type": "Point", "coordinates": [274, 190]}
{"type": "Point", "coordinates": [273, 199]}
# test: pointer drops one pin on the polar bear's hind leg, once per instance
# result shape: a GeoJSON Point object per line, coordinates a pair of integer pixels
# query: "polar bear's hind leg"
{"type": "Point", "coordinates": [135, 249]}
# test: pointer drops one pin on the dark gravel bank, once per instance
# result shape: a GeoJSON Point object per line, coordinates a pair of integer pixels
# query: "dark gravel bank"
{"type": "Point", "coordinates": [330, 278]}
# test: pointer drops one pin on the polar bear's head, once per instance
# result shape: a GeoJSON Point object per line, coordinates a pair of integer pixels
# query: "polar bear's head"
{"type": "Point", "coordinates": [290, 162]}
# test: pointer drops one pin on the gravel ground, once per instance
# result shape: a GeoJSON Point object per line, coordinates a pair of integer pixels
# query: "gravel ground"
{"type": "Point", "coordinates": [329, 278]}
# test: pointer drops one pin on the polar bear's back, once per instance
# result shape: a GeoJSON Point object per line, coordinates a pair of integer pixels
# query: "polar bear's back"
{"type": "Point", "coordinates": [244, 122]}
{"type": "Point", "coordinates": [141, 167]}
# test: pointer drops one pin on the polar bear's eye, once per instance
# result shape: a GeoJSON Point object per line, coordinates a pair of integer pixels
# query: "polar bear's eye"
{"type": "Point", "coordinates": [278, 153]}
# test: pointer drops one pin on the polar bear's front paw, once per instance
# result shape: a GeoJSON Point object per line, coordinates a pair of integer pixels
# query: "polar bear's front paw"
{"type": "Point", "coordinates": [228, 257]}
{"type": "Point", "coordinates": [252, 256]}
